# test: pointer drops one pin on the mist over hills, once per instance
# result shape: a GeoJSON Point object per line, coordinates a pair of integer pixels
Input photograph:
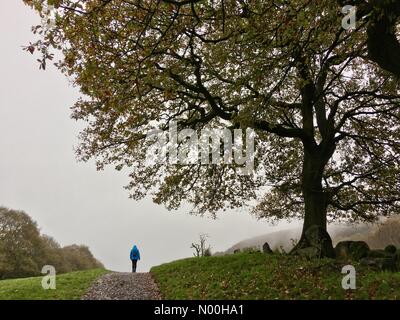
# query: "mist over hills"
{"type": "Point", "coordinates": [377, 236]}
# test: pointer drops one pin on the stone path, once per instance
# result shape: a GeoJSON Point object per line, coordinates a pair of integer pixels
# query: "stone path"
{"type": "Point", "coordinates": [123, 286]}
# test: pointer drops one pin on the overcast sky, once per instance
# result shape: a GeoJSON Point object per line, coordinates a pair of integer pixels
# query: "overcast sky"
{"type": "Point", "coordinates": [70, 200]}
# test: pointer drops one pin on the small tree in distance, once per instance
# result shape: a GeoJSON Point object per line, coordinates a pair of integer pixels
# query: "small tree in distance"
{"type": "Point", "coordinates": [201, 249]}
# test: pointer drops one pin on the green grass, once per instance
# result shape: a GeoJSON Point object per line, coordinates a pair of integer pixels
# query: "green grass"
{"type": "Point", "coordinates": [69, 286]}
{"type": "Point", "coordinates": [260, 276]}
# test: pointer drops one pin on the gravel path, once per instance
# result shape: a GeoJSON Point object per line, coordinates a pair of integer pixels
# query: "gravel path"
{"type": "Point", "coordinates": [123, 286]}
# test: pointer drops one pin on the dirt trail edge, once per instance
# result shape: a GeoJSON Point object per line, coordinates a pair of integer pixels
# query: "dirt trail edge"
{"type": "Point", "coordinates": [123, 286]}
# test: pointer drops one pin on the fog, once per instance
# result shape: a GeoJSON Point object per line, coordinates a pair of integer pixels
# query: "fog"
{"type": "Point", "coordinates": [71, 201]}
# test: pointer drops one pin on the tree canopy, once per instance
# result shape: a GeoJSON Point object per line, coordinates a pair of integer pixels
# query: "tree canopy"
{"type": "Point", "coordinates": [323, 101]}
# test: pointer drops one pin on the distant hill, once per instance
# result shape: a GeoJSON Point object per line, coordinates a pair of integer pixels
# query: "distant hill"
{"type": "Point", "coordinates": [376, 235]}
{"type": "Point", "coordinates": [276, 240]}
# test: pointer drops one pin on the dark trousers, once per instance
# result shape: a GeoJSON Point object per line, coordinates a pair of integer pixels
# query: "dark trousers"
{"type": "Point", "coordinates": [134, 263]}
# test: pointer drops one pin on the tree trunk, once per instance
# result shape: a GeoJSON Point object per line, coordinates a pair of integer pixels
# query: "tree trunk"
{"type": "Point", "coordinates": [315, 203]}
{"type": "Point", "coordinates": [315, 198]}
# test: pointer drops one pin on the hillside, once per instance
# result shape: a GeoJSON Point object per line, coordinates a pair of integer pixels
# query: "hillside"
{"type": "Point", "coordinates": [69, 286]}
{"type": "Point", "coordinates": [259, 276]}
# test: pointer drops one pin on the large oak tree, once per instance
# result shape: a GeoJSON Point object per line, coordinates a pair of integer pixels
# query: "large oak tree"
{"type": "Point", "coordinates": [323, 101]}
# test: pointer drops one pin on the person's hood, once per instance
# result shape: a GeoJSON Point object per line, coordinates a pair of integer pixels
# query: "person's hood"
{"type": "Point", "coordinates": [134, 247]}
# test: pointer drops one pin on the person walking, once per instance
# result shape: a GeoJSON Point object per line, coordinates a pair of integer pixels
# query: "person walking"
{"type": "Point", "coordinates": [135, 256]}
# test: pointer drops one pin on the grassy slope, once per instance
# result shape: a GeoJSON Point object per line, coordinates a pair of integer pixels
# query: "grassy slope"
{"type": "Point", "coordinates": [69, 286]}
{"type": "Point", "coordinates": [259, 276]}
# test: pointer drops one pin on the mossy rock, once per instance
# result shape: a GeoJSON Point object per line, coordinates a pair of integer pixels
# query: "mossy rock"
{"type": "Point", "coordinates": [397, 259]}
{"type": "Point", "coordinates": [352, 250]}
{"type": "Point", "coordinates": [383, 260]}
{"type": "Point", "coordinates": [391, 249]}
{"type": "Point", "coordinates": [342, 250]}
{"type": "Point", "coordinates": [382, 264]}
{"type": "Point", "coordinates": [266, 248]}
{"type": "Point", "coordinates": [359, 249]}
{"type": "Point", "coordinates": [388, 264]}
{"type": "Point", "coordinates": [377, 254]}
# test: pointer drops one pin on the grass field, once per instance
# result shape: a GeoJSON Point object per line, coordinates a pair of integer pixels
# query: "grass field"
{"type": "Point", "coordinates": [69, 286]}
{"type": "Point", "coordinates": [276, 276]}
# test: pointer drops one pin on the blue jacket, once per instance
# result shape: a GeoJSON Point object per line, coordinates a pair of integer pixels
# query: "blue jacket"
{"type": "Point", "coordinates": [135, 254]}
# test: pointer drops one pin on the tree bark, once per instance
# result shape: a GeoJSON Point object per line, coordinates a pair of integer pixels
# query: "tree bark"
{"type": "Point", "coordinates": [315, 203]}
{"type": "Point", "coordinates": [315, 198]}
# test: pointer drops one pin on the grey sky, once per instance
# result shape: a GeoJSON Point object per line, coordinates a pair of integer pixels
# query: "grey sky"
{"type": "Point", "coordinates": [72, 201]}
